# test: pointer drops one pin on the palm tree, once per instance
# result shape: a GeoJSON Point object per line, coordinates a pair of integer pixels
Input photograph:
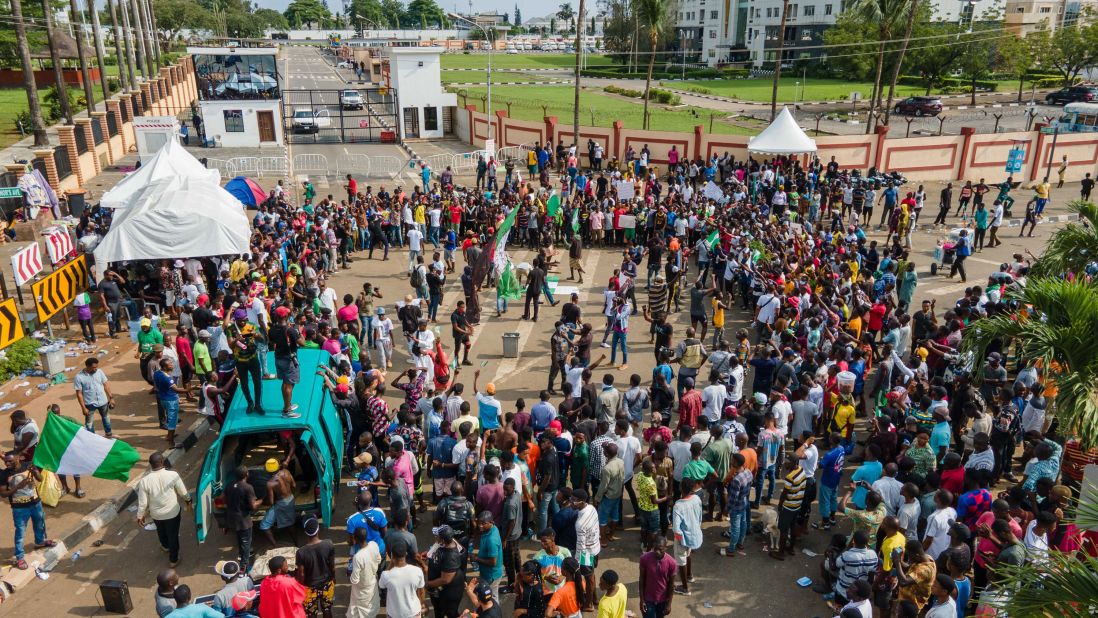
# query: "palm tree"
{"type": "Point", "coordinates": [82, 55]}
{"type": "Point", "coordinates": [41, 140]}
{"type": "Point", "coordinates": [653, 14]}
{"type": "Point", "coordinates": [1057, 323]}
{"type": "Point", "coordinates": [121, 49]}
{"type": "Point", "coordinates": [1073, 247]}
{"type": "Point", "coordinates": [97, 37]}
{"type": "Point", "coordinates": [778, 63]}
{"type": "Point", "coordinates": [576, 102]}
{"type": "Point", "coordinates": [885, 13]}
{"type": "Point", "coordinates": [58, 68]}
{"type": "Point", "coordinates": [912, 11]}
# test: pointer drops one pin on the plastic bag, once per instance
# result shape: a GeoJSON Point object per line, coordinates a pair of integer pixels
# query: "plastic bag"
{"type": "Point", "coordinates": [49, 488]}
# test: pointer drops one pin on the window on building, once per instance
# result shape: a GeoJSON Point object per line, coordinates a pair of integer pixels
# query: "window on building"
{"type": "Point", "coordinates": [827, 9]}
{"type": "Point", "coordinates": [234, 121]}
{"type": "Point", "coordinates": [712, 14]}
{"type": "Point", "coordinates": [1046, 9]}
{"type": "Point", "coordinates": [430, 118]}
{"type": "Point", "coordinates": [809, 10]}
{"type": "Point", "coordinates": [712, 34]}
{"type": "Point", "coordinates": [792, 11]}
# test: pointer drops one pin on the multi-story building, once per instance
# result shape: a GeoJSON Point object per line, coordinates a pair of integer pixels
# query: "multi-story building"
{"type": "Point", "coordinates": [1026, 16]}
{"type": "Point", "coordinates": [705, 30]}
{"type": "Point", "coordinates": [803, 34]}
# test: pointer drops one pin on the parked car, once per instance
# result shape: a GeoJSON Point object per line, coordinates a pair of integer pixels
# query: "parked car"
{"type": "Point", "coordinates": [1072, 94]}
{"type": "Point", "coordinates": [309, 121]}
{"type": "Point", "coordinates": [512, 51]}
{"type": "Point", "coordinates": [918, 106]}
{"type": "Point", "coordinates": [345, 64]}
{"type": "Point", "coordinates": [351, 99]}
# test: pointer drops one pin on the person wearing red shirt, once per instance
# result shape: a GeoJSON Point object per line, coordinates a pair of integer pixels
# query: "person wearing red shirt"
{"type": "Point", "coordinates": [690, 404]}
{"type": "Point", "coordinates": [283, 596]}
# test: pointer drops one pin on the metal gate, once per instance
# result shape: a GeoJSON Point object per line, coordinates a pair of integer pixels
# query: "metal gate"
{"type": "Point", "coordinates": [351, 115]}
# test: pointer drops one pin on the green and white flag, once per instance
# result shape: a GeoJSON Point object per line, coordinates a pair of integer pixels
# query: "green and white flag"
{"type": "Point", "coordinates": [553, 205]}
{"type": "Point", "coordinates": [575, 220]}
{"type": "Point", "coordinates": [65, 447]}
{"type": "Point", "coordinates": [713, 238]}
{"type": "Point", "coordinates": [508, 286]}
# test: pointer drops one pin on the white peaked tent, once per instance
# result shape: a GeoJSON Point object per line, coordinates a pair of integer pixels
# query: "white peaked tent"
{"type": "Point", "coordinates": [170, 162]}
{"type": "Point", "coordinates": [783, 136]}
{"type": "Point", "coordinates": [176, 219]}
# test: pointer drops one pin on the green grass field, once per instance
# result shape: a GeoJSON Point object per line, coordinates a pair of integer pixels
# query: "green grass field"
{"type": "Point", "coordinates": [789, 90]}
{"type": "Point", "coordinates": [13, 101]}
{"type": "Point", "coordinates": [502, 75]}
{"type": "Point", "coordinates": [479, 60]}
{"type": "Point", "coordinates": [598, 109]}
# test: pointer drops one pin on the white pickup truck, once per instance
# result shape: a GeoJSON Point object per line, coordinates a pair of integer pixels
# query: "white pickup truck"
{"type": "Point", "coordinates": [309, 121]}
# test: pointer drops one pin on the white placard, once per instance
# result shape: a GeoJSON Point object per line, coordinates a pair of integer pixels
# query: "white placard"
{"type": "Point", "coordinates": [712, 191]}
{"type": "Point", "coordinates": [625, 190]}
{"type": "Point", "coordinates": [627, 222]}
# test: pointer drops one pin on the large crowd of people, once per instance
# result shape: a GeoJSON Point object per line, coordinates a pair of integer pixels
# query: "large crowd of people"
{"type": "Point", "coordinates": [810, 392]}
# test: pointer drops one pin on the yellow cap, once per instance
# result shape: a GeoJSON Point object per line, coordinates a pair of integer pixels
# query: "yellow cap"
{"type": "Point", "coordinates": [271, 465]}
{"type": "Point", "coordinates": [922, 353]}
{"type": "Point", "coordinates": [146, 322]}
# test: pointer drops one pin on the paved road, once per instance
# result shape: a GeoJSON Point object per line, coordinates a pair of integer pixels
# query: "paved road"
{"type": "Point", "coordinates": [753, 583]}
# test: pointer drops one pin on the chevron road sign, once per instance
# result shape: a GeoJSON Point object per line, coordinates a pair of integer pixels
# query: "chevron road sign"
{"type": "Point", "coordinates": [60, 287]}
{"type": "Point", "coordinates": [11, 328]}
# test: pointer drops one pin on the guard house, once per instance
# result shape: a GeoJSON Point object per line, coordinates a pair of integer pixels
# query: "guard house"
{"type": "Point", "coordinates": [239, 95]}
{"type": "Point", "coordinates": [426, 109]}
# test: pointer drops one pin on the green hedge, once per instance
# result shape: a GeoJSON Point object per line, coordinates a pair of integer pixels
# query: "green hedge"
{"type": "Point", "coordinates": [729, 73]}
{"type": "Point", "coordinates": [19, 357]}
{"type": "Point", "coordinates": [951, 83]}
{"type": "Point", "coordinates": [660, 96]}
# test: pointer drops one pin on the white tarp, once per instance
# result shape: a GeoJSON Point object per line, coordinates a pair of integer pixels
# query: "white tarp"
{"type": "Point", "coordinates": [170, 162]}
{"type": "Point", "coordinates": [170, 219]}
{"type": "Point", "coordinates": [783, 136]}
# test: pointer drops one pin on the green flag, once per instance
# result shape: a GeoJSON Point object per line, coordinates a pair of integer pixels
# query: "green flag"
{"type": "Point", "coordinates": [508, 286]}
{"type": "Point", "coordinates": [713, 238]}
{"type": "Point", "coordinates": [576, 221]}
{"type": "Point", "coordinates": [553, 205]}
{"type": "Point", "coordinates": [65, 447]}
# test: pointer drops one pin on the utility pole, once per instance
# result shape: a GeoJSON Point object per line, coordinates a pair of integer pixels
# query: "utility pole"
{"type": "Point", "coordinates": [778, 63]}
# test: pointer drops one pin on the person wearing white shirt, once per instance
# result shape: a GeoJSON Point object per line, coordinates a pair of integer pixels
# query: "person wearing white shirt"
{"type": "Point", "coordinates": [942, 603]}
{"type": "Point", "coordinates": [713, 398]}
{"type": "Point", "coordinates": [936, 536]}
{"type": "Point", "coordinates": [158, 496]}
{"type": "Point", "coordinates": [327, 296]}
{"type": "Point", "coordinates": [889, 489]}
{"type": "Point", "coordinates": [404, 584]}
{"type": "Point", "coordinates": [365, 596]}
{"type": "Point", "coordinates": [982, 458]}
{"type": "Point", "coordinates": [415, 247]}
{"type": "Point", "coordinates": [782, 411]}
{"type": "Point", "coordinates": [735, 378]}
{"type": "Point", "coordinates": [679, 451]}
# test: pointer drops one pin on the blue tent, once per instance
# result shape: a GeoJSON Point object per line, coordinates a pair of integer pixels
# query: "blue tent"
{"type": "Point", "coordinates": [246, 190]}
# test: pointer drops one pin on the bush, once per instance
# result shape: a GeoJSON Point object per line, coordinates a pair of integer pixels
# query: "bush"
{"type": "Point", "coordinates": [22, 122]}
{"type": "Point", "coordinates": [950, 84]}
{"type": "Point", "coordinates": [657, 95]}
{"type": "Point", "coordinates": [19, 357]}
{"type": "Point", "coordinates": [697, 89]}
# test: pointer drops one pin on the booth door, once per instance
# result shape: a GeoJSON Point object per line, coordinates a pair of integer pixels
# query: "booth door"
{"type": "Point", "coordinates": [266, 126]}
{"type": "Point", "coordinates": [411, 122]}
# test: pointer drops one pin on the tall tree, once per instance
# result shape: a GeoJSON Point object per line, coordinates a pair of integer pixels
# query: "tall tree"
{"type": "Point", "coordinates": [303, 12]}
{"type": "Point", "coordinates": [141, 43]}
{"type": "Point", "coordinates": [98, 38]}
{"type": "Point", "coordinates": [1020, 55]}
{"type": "Point", "coordinates": [565, 12]}
{"type": "Point", "coordinates": [423, 14]}
{"type": "Point", "coordinates": [58, 68]}
{"type": "Point", "coordinates": [121, 49]}
{"type": "Point", "coordinates": [1071, 50]}
{"type": "Point", "coordinates": [37, 124]}
{"type": "Point", "coordinates": [778, 63]}
{"type": "Point", "coordinates": [652, 14]}
{"type": "Point", "coordinates": [82, 55]}
{"type": "Point", "coordinates": [884, 13]}
{"type": "Point", "coordinates": [518, 16]}
{"type": "Point", "coordinates": [912, 12]}
{"type": "Point", "coordinates": [576, 102]}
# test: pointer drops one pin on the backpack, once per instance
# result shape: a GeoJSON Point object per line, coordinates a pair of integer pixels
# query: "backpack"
{"type": "Point", "coordinates": [692, 356]}
{"type": "Point", "coordinates": [456, 515]}
{"type": "Point", "coordinates": [417, 277]}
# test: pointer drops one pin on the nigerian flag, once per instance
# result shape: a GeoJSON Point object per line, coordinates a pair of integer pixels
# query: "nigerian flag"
{"type": "Point", "coordinates": [553, 205]}
{"type": "Point", "coordinates": [576, 220]}
{"type": "Point", "coordinates": [713, 238]}
{"type": "Point", "coordinates": [65, 447]}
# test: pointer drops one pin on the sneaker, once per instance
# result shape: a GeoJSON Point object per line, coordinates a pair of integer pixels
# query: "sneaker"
{"type": "Point", "coordinates": [604, 345]}
{"type": "Point", "coordinates": [829, 596]}
{"type": "Point", "coordinates": [289, 414]}
{"type": "Point", "coordinates": [293, 407]}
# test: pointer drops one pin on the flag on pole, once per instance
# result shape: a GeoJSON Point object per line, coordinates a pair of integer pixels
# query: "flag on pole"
{"type": "Point", "coordinates": [713, 238]}
{"type": "Point", "coordinates": [553, 205]}
{"type": "Point", "coordinates": [576, 221]}
{"type": "Point", "coordinates": [65, 447]}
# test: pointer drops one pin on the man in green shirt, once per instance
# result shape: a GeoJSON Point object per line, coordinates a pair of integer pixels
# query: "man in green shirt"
{"type": "Point", "coordinates": [147, 337]}
{"type": "Point", "coordinates": [698, 469]}
{"type": "Point", "coordinates": [203, 365]}
{"type": "Point", "coordinates": [717, 454]}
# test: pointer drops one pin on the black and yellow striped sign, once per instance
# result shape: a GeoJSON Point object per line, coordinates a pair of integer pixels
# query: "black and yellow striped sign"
{"type": "Point", "coordinates": [11, 328]}
{"type": "Point", "coordinates": [60, 287]}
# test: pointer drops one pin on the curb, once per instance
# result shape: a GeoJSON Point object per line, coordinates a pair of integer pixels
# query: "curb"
{"type": "Point", "coordinates": [102, 515]}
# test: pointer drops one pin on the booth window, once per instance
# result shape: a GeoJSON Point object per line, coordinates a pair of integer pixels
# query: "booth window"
{"type": "Point", "coordinates": [234, 121]}
{"type": "Point", "coordinates": [430, 118]}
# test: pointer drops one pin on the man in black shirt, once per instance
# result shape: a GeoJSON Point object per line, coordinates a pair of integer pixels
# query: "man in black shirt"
{"type": "Point", "coordinates": [111, 294]}
{"type": "Point", "coordinates": [1086, 185]}
{"type": "Point", "coordinates": [316, 569]}
{"type": "Point", "coordinates": [548, 480]}
{"type": "Point", "coordinates": [462, 330]}
{"type": "Point", "coordinates": [284, 340]}
{"type": "Point", "coordinates": [534, 282]}
{"type": "Point", "coordinates": [240, 501]}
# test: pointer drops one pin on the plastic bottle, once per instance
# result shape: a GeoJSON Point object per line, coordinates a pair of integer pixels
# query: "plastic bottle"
{"type": "Point", "coordinates": [76, 555]}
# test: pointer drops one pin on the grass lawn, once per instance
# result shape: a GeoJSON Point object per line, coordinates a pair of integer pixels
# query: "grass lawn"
{"type": "Point", "coordinates": [599, 109]}
{"type": "Point", "coordinates": [479, 60]}
{"type": "Point", "coordinates": [817, 89]}
{"type": "Point", "coordinates": [13, 101]}
{"type": "Point", "coordinates": [462, 77]}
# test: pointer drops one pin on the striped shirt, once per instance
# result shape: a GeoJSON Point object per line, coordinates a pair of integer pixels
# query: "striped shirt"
{"type": "Point", "coordinates": [854, 564]}
{"type": "Point", "coordinates": [794, 484]}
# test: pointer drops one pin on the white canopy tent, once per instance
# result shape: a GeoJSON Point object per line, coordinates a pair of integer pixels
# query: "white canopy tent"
{"type": "Point", "coordinates": [171, 162]}
{"type": "Point", "coordinates": [171, 219]}
{"type": "Point", "coordinates": [783, 136]}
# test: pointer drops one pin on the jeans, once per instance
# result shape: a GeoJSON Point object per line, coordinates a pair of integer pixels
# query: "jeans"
{"type": "Point", "coordinates": [770, 472]}
{"type": "Point", "coordinates": [167, 531]}
{"type": "Point", "coordinates": [738, 524]}
{"type": "Point", "coordinates": [368, 328]}
{"type": "Point", "coordinates": [432, 235]}
{"type": "Point", "coordinates": [653, 610]}
{"type": "Point", "coordinates": [829, 501]}
{"type": "Point", "coordinates": [548, 294]}
{"type": "Point", "coordinates": [432, 310]}
{"type": "Point", "coordinates": [21, 514]}
{"type": "Point", "coordinates": [104, 413]}
{"type": "Point", "coordinates": [261, 350]}
{"type": "Point", "coordinates": [252, 389]}
{"type": "Point", "coordinates": [547, 508]}
{"type": "Point", "coordinates": [244, 548]}
{"type": "Point", "coordinates": [615, 341]}
{"type": "Point", "coordinates": [511, 560]}
{"type": "Point", "coordinates": [555, 370]}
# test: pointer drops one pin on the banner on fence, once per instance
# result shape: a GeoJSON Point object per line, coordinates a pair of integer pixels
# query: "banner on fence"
{"type": "Point", "coordinates": [58, 244]}
{"type": "Point", "coordinates": [26, 263]}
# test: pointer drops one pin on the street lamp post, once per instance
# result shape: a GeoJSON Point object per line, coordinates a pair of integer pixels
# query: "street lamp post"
{"type": "Point", "coordinates": [488, 103]}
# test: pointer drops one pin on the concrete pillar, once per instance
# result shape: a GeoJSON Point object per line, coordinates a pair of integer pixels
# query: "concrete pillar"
{"type": "Point", "coordinates": [67, 134]}
{"type": "Point", "coordinates": [114, 107]}
{"type": "Point", "coordinates": [966, 154]}
{"type": "Point", "coordinates": [51, 167]}
{"type": "Point", "coordinates": [101, 118]}
{"type": "Point", "coordinates": [85, 125]}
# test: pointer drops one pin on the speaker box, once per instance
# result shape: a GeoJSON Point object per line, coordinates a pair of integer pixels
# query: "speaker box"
{"type": "Point", "coordinates": [116, 596]}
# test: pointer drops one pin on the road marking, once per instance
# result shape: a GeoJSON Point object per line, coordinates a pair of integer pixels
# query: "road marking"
{"type": "Point", "coordinates": [983, 261]}
{"type": "Point", "coordinates": [949, 289]}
